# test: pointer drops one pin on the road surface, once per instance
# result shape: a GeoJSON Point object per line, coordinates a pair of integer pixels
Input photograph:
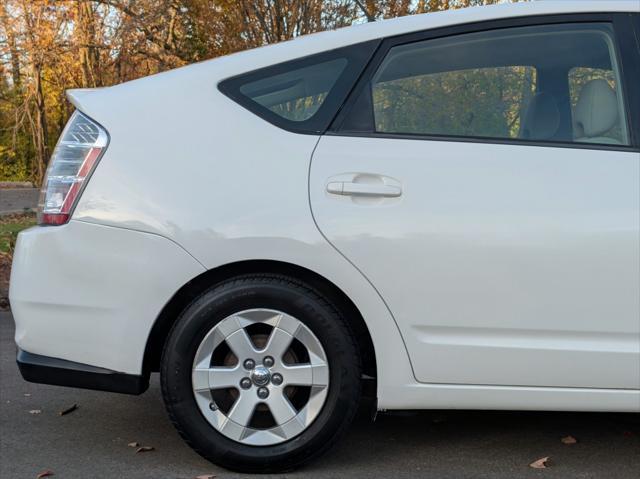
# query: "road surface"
{"type": "Point", "coordinates": [18, 200]}
{"type": "Point", "coordinates": [91, 442]}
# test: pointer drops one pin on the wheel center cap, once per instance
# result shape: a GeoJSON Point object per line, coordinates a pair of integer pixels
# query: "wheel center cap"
{"type": "Point", "coordinates": [260, 376]}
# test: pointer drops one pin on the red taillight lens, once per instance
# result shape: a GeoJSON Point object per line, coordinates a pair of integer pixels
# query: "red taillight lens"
{"type": "Point", "coordinates": [79, 148]}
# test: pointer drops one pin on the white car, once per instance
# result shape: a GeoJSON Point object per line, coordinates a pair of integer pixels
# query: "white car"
{"type": "Point", "coordinates": [433, 212]}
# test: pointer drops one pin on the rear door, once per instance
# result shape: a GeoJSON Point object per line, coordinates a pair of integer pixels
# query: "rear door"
{"type": "Point", "coordinates": [485, 179]}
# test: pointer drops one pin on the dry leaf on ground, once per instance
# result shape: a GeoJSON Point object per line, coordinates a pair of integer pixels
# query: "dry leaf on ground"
{"type": "Point", "coordinates": [69, 410]}
{"type": "Point", "coordinates": [569, 440]}
{"type": "Point", "coordinates": [46, 473]}
{"type": "Point", "coordinates": [439, 419]}
{"type": "Point", "coordinates": [540, 463]}
{"type": "Point", "coordinates": [145, 449]}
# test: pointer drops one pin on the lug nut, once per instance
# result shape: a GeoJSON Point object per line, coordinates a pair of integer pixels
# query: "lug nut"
{"type": "Point", "coordinates": [268, 361]}
{"type": "Point", "coordinates": [213, 406]}
{"type": "Point", "coordinates": [249, 364]}
{"type": "Point", "coordinates": [276, 379]}
{"type": "Point", "coordinates": [245, 383]}
{"type": "Point", "coordinates": [263, 393]}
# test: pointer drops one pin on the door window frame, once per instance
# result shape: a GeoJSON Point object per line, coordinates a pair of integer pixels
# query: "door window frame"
{"type": "Point", "coordinates": [627, 54]}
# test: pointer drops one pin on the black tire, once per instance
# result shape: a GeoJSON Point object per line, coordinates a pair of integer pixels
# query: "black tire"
{"type": "Point", "coordinates": [272, 292]}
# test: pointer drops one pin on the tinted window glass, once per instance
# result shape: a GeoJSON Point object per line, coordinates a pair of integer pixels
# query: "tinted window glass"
{"type": "Point", "coordinates": [526, 83]}
{"type": "Point", "coordinates": [474, 102]}
{"type": "Point", "coordinates": [301, 95]}
{"type": "Point", "coordinates": [296, 94]}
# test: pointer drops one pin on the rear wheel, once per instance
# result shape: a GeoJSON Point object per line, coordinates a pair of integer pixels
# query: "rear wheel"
{"type": "Point", "coordinates": [261, 374]}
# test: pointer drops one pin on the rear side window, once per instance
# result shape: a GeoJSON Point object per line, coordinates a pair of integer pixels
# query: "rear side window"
{"type": "Point", "coordinates": [301, 95]}
{"type": "Point", "coordinates": [556, 83]}
{"type": "Point", "coordinates": [472, 102]}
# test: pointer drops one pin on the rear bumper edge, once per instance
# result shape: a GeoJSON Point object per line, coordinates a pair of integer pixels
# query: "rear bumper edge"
{"type": "Point", "coordinates": [46, 370]}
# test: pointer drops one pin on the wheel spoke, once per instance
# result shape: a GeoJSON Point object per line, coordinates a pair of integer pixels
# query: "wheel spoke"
{"type": "Point", "coordinates": [221, 378]}
{"type": "Point", "coordinates": [306, 375]}
{"type": "Point", "coordinates": [298, 375]}
{"type": "Point", "coordinates": [281, 408]}
{"type": "Point", "coordinates": [279, 342]}
{"type": "Point", "coordinates": [242, 410]}
{"type": "Point", "coordinates": [200, 380]}
{"type": "Point", "coordinates": [240, 344]}
{"type": "Point", "coordinates": [216, 378]}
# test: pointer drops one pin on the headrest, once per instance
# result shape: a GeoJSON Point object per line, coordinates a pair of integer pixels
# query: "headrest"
{"type": "Point", "coordinates": [597, 109]}
{"type": "Point", "coordinates": [542, 118]}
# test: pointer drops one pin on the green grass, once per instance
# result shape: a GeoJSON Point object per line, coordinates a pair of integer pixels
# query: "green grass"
{"type": "Point", "coordinates": [10, 226]}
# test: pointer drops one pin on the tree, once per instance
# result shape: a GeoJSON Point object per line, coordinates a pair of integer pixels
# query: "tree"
{"type": "Point", "coordinates": [48, 46]}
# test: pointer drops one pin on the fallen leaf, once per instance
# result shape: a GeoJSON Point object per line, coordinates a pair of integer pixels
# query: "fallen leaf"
{"type": "Point", "coordinates": [133, 444]}
{"type": "Point", "coordinates": [540, 463]}
{"type": "Point", "coordinates": [35, 411]}
{"type": "Point", "coordinates": [569, 440]}
{"type": "Point", "coordinates": [145, 449]}
{"type": "Point", "coordinates": [69, 410]}
{"type": "Point", "coordinates": [439, 419]}
{"type": "Point", "coordinates": [46, 473]}
{"type": "Point", "coordinates": [206, 476]}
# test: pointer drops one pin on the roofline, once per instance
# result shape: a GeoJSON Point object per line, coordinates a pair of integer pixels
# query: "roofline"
{"type": "Point", "coordinates": [217, 69]}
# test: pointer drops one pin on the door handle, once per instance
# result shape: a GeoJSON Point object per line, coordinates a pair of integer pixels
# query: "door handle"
{"type": "Point", "coordinates": [350, 188]}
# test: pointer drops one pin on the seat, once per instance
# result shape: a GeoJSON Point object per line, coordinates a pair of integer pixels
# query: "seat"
{"type": "Point", "coordinates": [595, 113]}
{"type": "Point", "coordinates": [541, 119]}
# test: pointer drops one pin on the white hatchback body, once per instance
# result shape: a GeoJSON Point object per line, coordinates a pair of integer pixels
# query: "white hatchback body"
{"type": "Point", "coordinates": [490, 274]}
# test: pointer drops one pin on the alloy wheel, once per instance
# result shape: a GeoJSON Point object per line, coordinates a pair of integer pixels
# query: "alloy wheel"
{"type": "Point", "coordinates": [260, 377]}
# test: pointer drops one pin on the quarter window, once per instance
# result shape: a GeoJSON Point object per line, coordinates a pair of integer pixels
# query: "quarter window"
{"type": "Point", "coordinates": [301, 95]}
{"type": "Point", "coordinates": [296, 95]}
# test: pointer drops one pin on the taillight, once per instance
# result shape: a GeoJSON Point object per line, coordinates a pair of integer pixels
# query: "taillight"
{"type": "Point", "coordinates": [78, 150]}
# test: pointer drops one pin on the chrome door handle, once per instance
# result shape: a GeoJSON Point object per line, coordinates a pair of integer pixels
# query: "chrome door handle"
{"type": "Point", "coordinates": [349, 188]}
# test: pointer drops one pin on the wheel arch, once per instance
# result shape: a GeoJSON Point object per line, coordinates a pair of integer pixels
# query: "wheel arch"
{"type": "Point", "coordinates": [189, 291]}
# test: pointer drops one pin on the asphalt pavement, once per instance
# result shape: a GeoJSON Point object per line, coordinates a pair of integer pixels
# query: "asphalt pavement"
{"type": "Point", "coordinates": [18, 200]}
{"type": "Point", "coordinates": [92, 441]}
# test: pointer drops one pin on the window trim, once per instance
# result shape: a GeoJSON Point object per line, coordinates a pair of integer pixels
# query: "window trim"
{"type": "Point", "coordinates": [358, 56]}
{"type": "Point", "coordinates": [623, 32]}
{"type": "Point", "coordinates": [628, 46]}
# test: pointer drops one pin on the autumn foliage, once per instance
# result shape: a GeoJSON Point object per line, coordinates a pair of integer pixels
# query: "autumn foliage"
{"type": "Point", "coordinates": [48, 46]}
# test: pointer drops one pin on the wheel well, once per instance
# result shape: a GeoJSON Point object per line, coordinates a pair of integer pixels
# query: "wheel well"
{"type": "Point", "coordinates": [206, 280]}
